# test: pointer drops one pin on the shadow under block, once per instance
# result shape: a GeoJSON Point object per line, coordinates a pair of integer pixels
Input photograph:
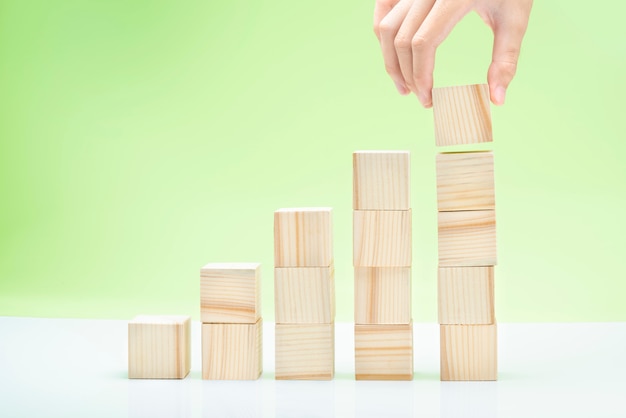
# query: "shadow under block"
{"type": "Point", "coordinates": [382, 238]}
{"type": "Point", "coordinates": [382, 295]}
{"type": "Point", "coordinates": [462, 115]}
{"type": "Point", "coordinates": [159, 347]}
{"type": "Point", "coordinates": [383, 352]}
{"type": "Point", "coordinates": [381, 180]}
{"type": "Point", "coordinates": [466, 295]}
{"type": "Point", "coordinates": [305, 351]}
{"type": "Point", "coordinates": [232, 351]}
{"type": "Point", "coordinates": [467, 238]}
{"type": "Point", "coordinates": [465, 181]}
{"type": "Point", "coordinates": [304, 295]}
{"type": "Point", "coordinates": [230, 293]}
{"type": "Point", "coordinates": [303, 237]}
{"type": "Point", "coordinates": [469, 352]}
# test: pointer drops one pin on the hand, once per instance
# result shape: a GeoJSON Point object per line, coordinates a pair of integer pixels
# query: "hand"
{"type": "Point", "coordinates": [410, 31]}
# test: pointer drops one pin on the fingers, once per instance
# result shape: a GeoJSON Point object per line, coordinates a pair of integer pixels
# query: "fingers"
{"type": "Point", "coordinates": [388, 28]}
{"type": "Point", "coordinates": [381, 9]}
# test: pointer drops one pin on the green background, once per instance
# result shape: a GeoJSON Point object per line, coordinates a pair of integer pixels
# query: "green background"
{"type": "Point", "coordinates": [141, 139]}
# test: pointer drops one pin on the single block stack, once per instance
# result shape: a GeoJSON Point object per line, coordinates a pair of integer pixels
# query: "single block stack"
{"type": "Point", "coordinates": [382, 265]}
{"type": "Point", "coordinates": [304, 294]}
{"type": "Point", "coordinates": [232, 327]}
{"type": "Point", "coordinates": [467, 235]}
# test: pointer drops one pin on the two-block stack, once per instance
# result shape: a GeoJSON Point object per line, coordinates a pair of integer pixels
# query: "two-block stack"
{"type": "Point", "coordinates": [304, 294]}
{"type": "Point", "coordinates": [467, 235]}
{"type": "Point", "coordinates": [382, 265]}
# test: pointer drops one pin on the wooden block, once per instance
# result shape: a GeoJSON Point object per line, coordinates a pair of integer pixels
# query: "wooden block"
{"type": "Point", "coordinates": [303, 237]}
{"type": "Point", "coordinates": [462, 115]}
{"type": "Point", "coordinates": [382, 295]}
{"type": "Point", "coordinates": [467, 238]}
{"type": "Point", "coordinates": [382, 238]}
{"type": "Point", "coordinates": [469, 352]}
{"type": "Point", "coordinates": [305, 351]}
{"type": "Point", "coordinates": [232, 351]}
{"type": "Point", "coordinates": [383, 352]}
{"type": "Point", "coordinates": [159, 347]}
{"type": "Point", "coordinates": [304, 295]}
{"type": "Point", "coordinates": [381, 180]}
{"type": "Point", "coordinates": [230, 293]}
{"type": "Point", "coordinates": [466, 295]}
{"type": "Point", "coordinates": [465, 181]}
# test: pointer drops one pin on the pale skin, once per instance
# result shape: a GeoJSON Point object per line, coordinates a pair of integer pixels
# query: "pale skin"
{"type": "Point", "coordinates": [409, 32]}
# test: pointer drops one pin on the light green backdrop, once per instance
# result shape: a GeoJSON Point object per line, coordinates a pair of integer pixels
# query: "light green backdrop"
{"type": "Point", "coordinates": [142, 139]}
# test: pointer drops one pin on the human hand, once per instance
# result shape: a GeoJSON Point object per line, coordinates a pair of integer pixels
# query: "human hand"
{"type": "Point", "coordinates": [409, 32]}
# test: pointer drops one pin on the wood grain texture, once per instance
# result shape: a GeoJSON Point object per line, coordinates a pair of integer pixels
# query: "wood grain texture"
{"type": "Point", "coordinates": [381, 180]}
{"type": "Point", "coordinates": [465, 181]}
{"type": "Point", "coordinates": [303, 237]}
{"type": "Point", "coordinates": [304, 295]}
{"type": "Point", "coordinates": [383, 352]}
{"type": "Point", "coordinates": [467, 238]}
{"type": "Point", "coordinates": [466, 295]}
{"type": "Point", "coordinates": [382, 295]}
{"type": "Point", "coordinates": [232, 351]}
{"type": "Point", "coordinates": [382, 238]}
{"type": "Point", "coordinates": [469, 352]}
{"type": "Point", "coordinates": [159, 347]}
{"type": "Point", "coordinates": [305, 351]}
{"type": "Point", "coordinates": [462, 115]}
{"type": "Point", "coordinates": [230, 293]}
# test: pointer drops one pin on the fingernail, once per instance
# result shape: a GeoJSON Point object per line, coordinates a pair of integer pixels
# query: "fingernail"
{"type": "Point", "coordinates": [499, 94]}
{"type": "Point", "coordinates": [423, 98]}
{"type": "Point", "coordinates": [401, 88]}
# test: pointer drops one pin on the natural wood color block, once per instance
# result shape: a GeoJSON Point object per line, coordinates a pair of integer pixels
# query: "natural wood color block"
{"type": "Point", "coordinates": [467, 238]}
{"type": "Point", "coordinates": [381, 180]}
{"type": "Point", "coordinates": [382, 295]}
{"type": "Point", "coordinates": [305, 351]}
{"type": "Point", "coordinates": [465, 181]}
{"type": "Point", "coordinates": [159, 347]}
{"type": "Point", "coordinates": [382, 238]}
{"type": "Point", "coordinates": [466, 295]}
{"type": "Point", "coordinates": [230, 293]}
{"type": "Point", "coordinates": [383, 352]}
{"type": "Point", "coordinates": [303, 237]}
{"type": "Point", "coordinates": [469, 352]}
{"type": "Point", "coordinates": [232, 351]}
{"type": "Point", "coordinates": [304, 295]}
{"type": "Point", "coordinates": [462, 115]}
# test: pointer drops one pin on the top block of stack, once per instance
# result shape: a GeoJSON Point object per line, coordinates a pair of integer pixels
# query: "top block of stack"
{"type": "Point", "coordinates": [381, 180]}
{"type": "Point", "coordinates": [462, 115]}
{"type": "Point", "coordinates": [303, 237]}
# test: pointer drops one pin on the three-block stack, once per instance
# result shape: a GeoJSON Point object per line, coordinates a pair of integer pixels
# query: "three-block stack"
{"type": "Point", "coordinates": [382, 265]}
{"type": "Point", "coordinates": [467, 235]}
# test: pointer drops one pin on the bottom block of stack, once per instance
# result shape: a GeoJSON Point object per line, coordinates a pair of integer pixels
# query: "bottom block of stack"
{"type": "Point", "coordinates": [469, 352]}
{"type": "Point", "coordinates": [232, 351]}
{"type": "Point", "coordinates": [305, 351]}
{"type": "Point", "coordinates": [384, 352]}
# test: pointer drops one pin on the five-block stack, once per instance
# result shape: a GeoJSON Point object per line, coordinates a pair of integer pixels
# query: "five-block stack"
{"type": "Point", "coordinates": [467, 235]}
{"type": "Point", "coordinates": [382, 265]}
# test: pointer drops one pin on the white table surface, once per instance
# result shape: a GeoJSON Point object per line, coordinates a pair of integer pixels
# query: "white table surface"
{"type": "Point", "coordinates": [77, 368]}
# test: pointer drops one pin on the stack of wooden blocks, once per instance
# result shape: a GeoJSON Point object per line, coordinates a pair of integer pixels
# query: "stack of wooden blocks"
{"type": "Point", "coordinates": [382, 265]}
{"type": "Point", "coordinates": [232, 327]}
{"type": "Point", "coordinates": [304, 294]}
{"type": "Point", "coordinates": [467, 235]}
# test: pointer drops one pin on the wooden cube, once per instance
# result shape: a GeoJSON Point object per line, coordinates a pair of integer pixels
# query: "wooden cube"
{"type": "Point", "coordinates": [465, 181]}
{"type": "Point", "coordinates": [466, 295]}
{"type": "Point", "coordinates": [159, 347]}
{"type": "Point", "coordinates": [305, 351]}
{"type": "Point", "coordinates": [381, 180]}
{"type": "Point", "coordinates": [304, 295]}
{"type": "Point", "coordinates": [462, 115]}
{"type": "Point", "coordinates": [232, 351]}
{"type": "Point", "coordinates": [469, 352]}
{"type": "Point", "coordinates": [382, 238]}
{"type": "Point", "coordinates": [382, 295]}
{"type": "Point", "coordinates": [230, 293]}
{"type": "Point", "coordinates": [303, 237]}
{"type": "Point", "coordinates": [383, 352]}
{"type": "Point", "coordinates": [467, 238]}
